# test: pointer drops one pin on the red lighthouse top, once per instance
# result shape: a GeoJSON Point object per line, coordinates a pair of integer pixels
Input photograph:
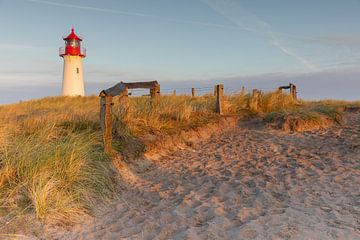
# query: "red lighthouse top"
{"type": "Point", "coordinates": [72, 46]}
{"type": "Point", "coordinates": [73, 36]}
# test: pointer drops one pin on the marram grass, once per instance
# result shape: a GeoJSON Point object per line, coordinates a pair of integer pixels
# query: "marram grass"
{"type": "Point", "coordinates": [51, 158]}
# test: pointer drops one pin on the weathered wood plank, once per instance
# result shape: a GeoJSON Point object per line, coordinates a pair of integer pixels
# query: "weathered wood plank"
{"type": "Point", "coordinates": [219, 98]}
{"type": "Point", "coordinates": [106, 122]}
{"type": "Point", "coordinates": [284, 87]}
{"type": "Point", "coordinates": [116, 90]}
{"type": "Point", "coordinates": [119, 88]}
{"type": "Point", "coordinates": [149, 85]}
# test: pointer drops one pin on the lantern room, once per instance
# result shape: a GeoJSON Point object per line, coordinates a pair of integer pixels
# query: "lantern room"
{"type": "Point", "coordinates": [72, 46]}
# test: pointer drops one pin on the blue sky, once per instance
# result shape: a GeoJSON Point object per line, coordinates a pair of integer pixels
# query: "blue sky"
{"type": "Point", "coordinates": [184, 43]}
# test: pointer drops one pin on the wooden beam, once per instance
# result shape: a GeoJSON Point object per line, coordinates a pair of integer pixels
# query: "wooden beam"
{"type": "Point", "coordinates": [106, 122]}
{"type": "Point", "coordinates": [193, 92]}
{"type": "Point", "coordinates": [116, 90]}
{"type": "Point", "coordinates": [119, 88]}
{"type": "Point", "coordinates": [219, 98]}
{"type": "Point", "coordinates": [147, 85]}
{"type": "Point", "coordinates": [284, 87]}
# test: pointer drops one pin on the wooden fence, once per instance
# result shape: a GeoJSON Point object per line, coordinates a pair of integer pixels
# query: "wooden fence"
{"type": "Point", "coordinates": [121, 89]}
{"type": "Point", "coordinates": [292, 88]}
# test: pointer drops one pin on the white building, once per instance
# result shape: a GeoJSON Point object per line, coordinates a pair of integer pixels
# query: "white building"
{"type": "Point", "coordinates": [72, 53]}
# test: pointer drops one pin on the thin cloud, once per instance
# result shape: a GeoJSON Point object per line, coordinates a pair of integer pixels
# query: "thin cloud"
{"type": "Point", "coordinates": [20, 47]}
{"type": "Point", "coordinates": [66, 5]}
{"type": "Point", "coordinates": [136, 14]}
{"type": "Point", "coordinates": [352, 42]}
{"type": "Point", "coordinates": [252, 23]}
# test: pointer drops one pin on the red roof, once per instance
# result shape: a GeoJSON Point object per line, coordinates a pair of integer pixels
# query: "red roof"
{"type": "Point", "coordinates": [72, 35]}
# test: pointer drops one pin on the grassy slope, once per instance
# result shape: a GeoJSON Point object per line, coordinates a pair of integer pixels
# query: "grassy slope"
{"type": "Point", "coordinates": [51, 160]}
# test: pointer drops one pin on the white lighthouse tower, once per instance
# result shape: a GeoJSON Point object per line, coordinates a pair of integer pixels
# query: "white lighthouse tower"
{"type": "Point", "coordinates": [72, 53]}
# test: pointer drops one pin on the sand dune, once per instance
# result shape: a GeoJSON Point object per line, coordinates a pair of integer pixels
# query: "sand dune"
{"type": "Point", "coordinates": [249, 183]}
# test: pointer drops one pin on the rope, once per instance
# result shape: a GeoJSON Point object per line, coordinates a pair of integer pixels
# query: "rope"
{"type": "Point", "coordinates": [198, 90]}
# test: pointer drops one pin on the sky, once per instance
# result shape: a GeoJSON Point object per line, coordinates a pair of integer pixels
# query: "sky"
{"type": "Point", "coordinates": [184, 44]}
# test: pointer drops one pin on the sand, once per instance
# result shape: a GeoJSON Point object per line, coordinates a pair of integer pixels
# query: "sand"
{"type": "Point", "coordinates": [248, 183]}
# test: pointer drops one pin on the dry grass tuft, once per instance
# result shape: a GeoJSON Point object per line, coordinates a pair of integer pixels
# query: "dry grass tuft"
{"type": "Point", "coordinates": [261, 103]}
{"type": "Point", "coordinates": [305, 119]}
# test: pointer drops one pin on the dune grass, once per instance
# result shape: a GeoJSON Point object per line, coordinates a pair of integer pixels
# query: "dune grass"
{"type": "Point", "coordinates": [171, 114]}
{"type": "Point", "coordinates": [304, 119]}
{"type": "Point", "coordinates": [260, 104]}
{"type": "Point", "coordinates": [52, 164]}
{"type": "Point", "coordinates": [139, 125]}
{"type": "Point", "coordinates": [51, 161]}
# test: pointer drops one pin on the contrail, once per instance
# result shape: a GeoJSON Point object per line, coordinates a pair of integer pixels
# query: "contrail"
{"type": "Point", "coordinates": [66, 5]}
{"type": "Point", "coordinates": [276, 42]}
{"type": "Point", "coordinates": [118, 12]}
{"type": "Point", "coordinates": [252, 23]}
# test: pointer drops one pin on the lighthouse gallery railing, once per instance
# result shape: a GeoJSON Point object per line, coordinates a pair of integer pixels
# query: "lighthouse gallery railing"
{"type": "Point", "coordinates": [62, 51]}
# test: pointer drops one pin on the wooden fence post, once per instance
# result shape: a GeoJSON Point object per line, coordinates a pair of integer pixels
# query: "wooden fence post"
{"type": "Point", "coordinates": [215, 90]}
{"type": "Point", "coordinates": [254, 101]}
{"type": "Point", "coordinates": [293, 92]}
{"type": "Point", "coordinates": [242, 93]}
{"type": "Point", "coordinates": [193, 92]}
{"type": "Point", "coordinates": [219, 98]}
{"type": "Point", "coordinates": [106, 121]}
{"type": "Point", "coordinates": [174, 93]}
{"type": "Point", "coordinates": [155, 93]}
{"type": "Point", "coordinates": [124, 99]}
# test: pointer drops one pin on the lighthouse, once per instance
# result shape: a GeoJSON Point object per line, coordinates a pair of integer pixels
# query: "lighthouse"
{"type": "Point", "coordinates": [72, 53]}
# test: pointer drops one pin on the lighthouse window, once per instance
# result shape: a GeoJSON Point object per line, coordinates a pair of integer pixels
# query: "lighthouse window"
{"type": "Point", "coordinates": [77, 70]}
{"type": "Point", "coordinates": [73, 43]}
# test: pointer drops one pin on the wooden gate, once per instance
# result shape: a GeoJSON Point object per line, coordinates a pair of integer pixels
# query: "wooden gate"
{"type": "Point", "coordinates": [106, 103]}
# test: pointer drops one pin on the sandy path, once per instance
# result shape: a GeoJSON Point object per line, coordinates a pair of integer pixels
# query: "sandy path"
{"type": "Point", "coordinates": [245, 184]}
